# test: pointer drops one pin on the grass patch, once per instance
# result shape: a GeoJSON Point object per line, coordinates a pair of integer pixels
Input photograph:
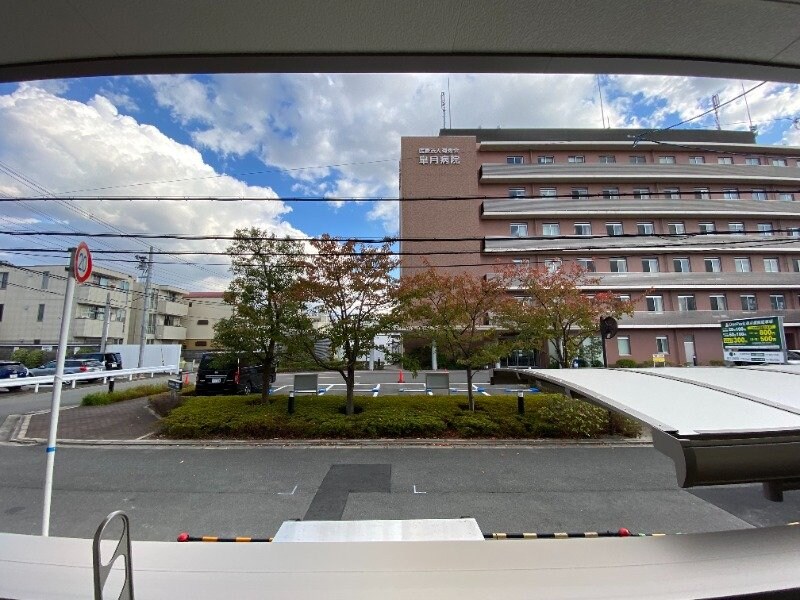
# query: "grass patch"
{"type": "Point", "coordinates": [103, 398]}
{"type": "Point", "coordinates": [237, 417]}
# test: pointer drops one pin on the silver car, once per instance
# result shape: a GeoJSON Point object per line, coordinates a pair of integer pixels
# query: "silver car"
{"type": "Point", "coordinates": [71, 365]}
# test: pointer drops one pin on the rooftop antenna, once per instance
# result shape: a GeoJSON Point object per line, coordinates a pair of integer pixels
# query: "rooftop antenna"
{"type": "Point", "coordinates": [444, 112]}
{"type": "Point", "coordinates": [602, 108]}
{"type": "Point", "coordinates": [715, 104]}
{"type": "Point", "coordinates": [747, 105]}
{"type": "Point", "coordinates": [449, 110]}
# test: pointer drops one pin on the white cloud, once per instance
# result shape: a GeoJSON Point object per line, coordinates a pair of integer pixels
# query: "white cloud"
{"type": "Point", "coordinates": [90, 148]}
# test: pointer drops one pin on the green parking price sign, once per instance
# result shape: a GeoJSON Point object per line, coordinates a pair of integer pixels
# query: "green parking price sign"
{"type": "Point", "coordinates": [754, 340]}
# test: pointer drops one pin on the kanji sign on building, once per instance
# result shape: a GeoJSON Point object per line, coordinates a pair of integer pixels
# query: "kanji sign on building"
{"type": "Point", "coordinates": [754, 340]}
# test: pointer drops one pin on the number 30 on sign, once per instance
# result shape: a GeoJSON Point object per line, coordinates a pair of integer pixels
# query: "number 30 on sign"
{"type": "Point", "coordinates": [82, 263]}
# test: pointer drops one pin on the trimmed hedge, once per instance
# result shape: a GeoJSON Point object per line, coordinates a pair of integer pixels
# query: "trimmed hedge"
{"type": "Point", "coordinates": [103, 398]}
{"type": "Point", "coordinates": [245, 417]}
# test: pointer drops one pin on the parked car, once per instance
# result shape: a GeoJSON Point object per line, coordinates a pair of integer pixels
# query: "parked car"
{"type": "Point", "coordinates": [793, 357]}
{"type": "Point", "coordinates": [12, 369]}
{"type": "Point", "coordinates": [220, 373]}
{"type": "Point", "coordinates": [71, 365]}
{"type": "Point", "coordinates": [112, 360]}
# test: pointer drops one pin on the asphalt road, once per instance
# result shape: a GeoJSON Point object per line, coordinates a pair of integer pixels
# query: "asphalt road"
{"type": "Point", "coordinates": [251, 491]}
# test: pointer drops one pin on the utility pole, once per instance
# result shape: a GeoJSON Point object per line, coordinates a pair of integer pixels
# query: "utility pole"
{"type": "Point", "coordinates": [146, 309]}
{"type": "Point", "coordinates": [106, 323]}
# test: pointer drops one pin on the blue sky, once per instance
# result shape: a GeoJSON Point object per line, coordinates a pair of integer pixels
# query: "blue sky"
{"type": "Point", "coordinates": [279, 136]}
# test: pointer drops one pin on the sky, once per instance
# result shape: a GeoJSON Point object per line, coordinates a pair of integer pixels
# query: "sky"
{"type": "Point", "coordinates": [273, 137]}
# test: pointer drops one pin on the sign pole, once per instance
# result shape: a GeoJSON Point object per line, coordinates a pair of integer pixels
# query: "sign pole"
{"type": "Point", "coordinates": [79, 270]}
{"type": "Point", "coordinates": [55, 404]}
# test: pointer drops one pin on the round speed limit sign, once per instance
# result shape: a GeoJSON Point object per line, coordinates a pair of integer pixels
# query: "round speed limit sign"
{"type": "Point", "coordinates": [82, 263]}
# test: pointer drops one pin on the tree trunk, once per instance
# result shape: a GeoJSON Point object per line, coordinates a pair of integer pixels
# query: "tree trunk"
{"type": "Point", "coordinates": [266, 369]}
{"type": "Point", "coordinates": [469, 390]}
{"type": "Point", "coordinates": [350, 380]}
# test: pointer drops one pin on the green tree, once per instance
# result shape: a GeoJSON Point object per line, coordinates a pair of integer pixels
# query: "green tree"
{"type": "Point", "coordinates": [556, 307]}
{"type": "Point", "coordinates": [266, 311]}
{"type": "Point", "coordinates": [348, 285]}
{"type": "Point", "coordinates": [456, 311]}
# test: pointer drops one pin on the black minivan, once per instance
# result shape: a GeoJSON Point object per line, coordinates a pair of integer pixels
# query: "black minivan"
{"type": "Point", "coordinates": [112, 360]}
{"type": "Point", "coordinates": [220, 373]}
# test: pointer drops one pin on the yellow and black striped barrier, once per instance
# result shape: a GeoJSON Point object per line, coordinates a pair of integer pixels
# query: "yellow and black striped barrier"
{"type": "Point", "coordinates": [185, 537]}
{"type": "Point", "coordinates": [563, 535]}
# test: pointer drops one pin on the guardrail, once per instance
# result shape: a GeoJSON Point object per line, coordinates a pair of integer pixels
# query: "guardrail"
{"type": "Point", "coordinates": [74, 378]}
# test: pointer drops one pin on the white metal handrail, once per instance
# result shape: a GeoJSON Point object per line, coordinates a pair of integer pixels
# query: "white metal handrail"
{"type": "Point", "coordinates": [74, 378]}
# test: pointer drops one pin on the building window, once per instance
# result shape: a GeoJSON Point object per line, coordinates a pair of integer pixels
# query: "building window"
{"type": "Point", "coordinates": [1, 313]}
{"type": "Point", "coordinates": [551, 229]}
{"type": "Point", "coordinates": [697, 160]}
{"type": "Point", "coordinates": [645, 229]}
{"type": "Point", "coordinates": [514, 160]}
{"type": "Point", "coordinates": [752, 160]}
{"type": "Point", "coordinates": [618, 265]}
{"type": "Point", "coordinates": [517, 192]}
{"type": "Point", "coordinates": [649, 265]}
{"type": "Point", "coordinates": [638, 159]}
{"type": "Point", "coordinates": [583, 229]}
{"type": "Point", "coordinates": [576, 159]}
{"type": "Point", "coordinates": [749, 302]}
{"type": "Point", "coordinates": [40, 314]}
{"type": "Point", "coordinates": [200, 343]}
{"type": "Point", "coordinates": [730, 193]}
{"type": "Point", "coordinates": [547, 192]}
{"type": "Point", "coordinates": [662, 344]}
{"type": "Point", "coordinates": [519, 230]}
{"type": "Point", "coordinates": [624, 297]}
{"type": "Point", "coordinates": [724, 160]}
{"type": "Point", "coordinates": [758, 195]}
{"type": "Point", "coordinates": [713, 265]}
{"type": "Point", "coordinates": [778, 162]}
{"type": "Point", "coordinates": [796, 265]}
{"type": "Point", "coordinates": [718, 302]}
{"type": "Point", "coordinates": [742, 264]}
{"type": "Point", "coordinates": [614, 228]}
{"type": "Point", "coordinates": [736, 228]}
{"type": "Point", "coordinates": [3, 280]}
{"type": "Point", "coordinates": [641, 193]}
{"type": "Point", "coordinates": [202, 321]}
{"type": "Point", "coordinates": [777, 301]}
{"type": "Point", "coordinates": [687, 303]}
{"type": "Point", "coordinates": [701, 194]}
{"type": "Point", "coordinates": [611, 193]}
{"type": "Point", "coordinates": [666, 160]}
{"type": "Point", "coordinates": [586, 263]}
{"type": "Point", "coordinates": [786, 196]}
{"type": "Point", "coordinates": [771, 265]}
{"type": "Point", "coordinates": [624, 345]}
{"type": "Point", "coordinates": [671, 193]}
{"type": "Point", "coordinates": [793, 232]}
{"type": "Point", "coordinates": [552, 264]}
{"type": "Point", "coordinates": [545, 160]}
{"type": "Point", "coordinates": [608, 159]}
{"type": "Point", "coordinates": [676, 228]}
{"type": "Point", "coordinates": [706, 228]}
{"type": "Point", "coordinates": [45, 279]}
{"type": "Point", "coordinates": [681, 265]}
{"type": "Point", "coordinates": [765, 229]}
{"type": "Point", "coordinates": [578, 193]}
{"type": "Point", "coordinates": [655, 303]}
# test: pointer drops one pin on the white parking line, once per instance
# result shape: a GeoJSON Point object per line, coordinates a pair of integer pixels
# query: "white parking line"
{"type": "Point", "coordinates": [376, 390]}
{"type": "Point", "coordinates": [288, 493]}
{"type": "Point", "coordinates": [416, 492]}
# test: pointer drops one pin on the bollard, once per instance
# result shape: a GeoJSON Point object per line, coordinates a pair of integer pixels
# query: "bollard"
{"type": "Point", "coordinates": [291, 403]}
{"type": "Point", "coordinates": [521, 402]}
{"type": "Point", "coordinates": [110, 385]}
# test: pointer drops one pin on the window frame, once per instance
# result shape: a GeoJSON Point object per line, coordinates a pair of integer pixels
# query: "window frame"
{"type": "Point", "coordinates": [662, 348]}
{"type": "Point", "coordinates": [714, 298]}
{"type": "Point", "coordinates": [519, 226]}
{"type": "Point", "coordinates": [650, 261]}
{"type": "Point", "coordinates": [586, 225]}
{"type": "Point", "coordinates": [748, 307]}
{"type": "Point", "coordinates": [611, 229]}
{"type": "Point", "coordinates": [626, 339]}
{"type": "Point", "coordinates": [676, 260]}
{"type": "Point", "coordinates": [713, 260]}
{"type": "Point", "coordinates": [690, 303]}
{"type": "Point", "coordinates": [546, 226]}
{"type": "Point", "coordinates": [511, 159]}
{"type": "Point", "coordinates": [772, 261]}
{"type": "Point", "coordinates": [742, 260]}
{"type": "Point", "coordinates": [618, 260]}
{"type": "Point", "coordinates": [657, 300]}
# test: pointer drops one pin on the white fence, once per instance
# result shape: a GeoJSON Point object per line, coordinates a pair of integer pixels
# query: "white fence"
{"type": "Point", "coordinates": [74, 378]}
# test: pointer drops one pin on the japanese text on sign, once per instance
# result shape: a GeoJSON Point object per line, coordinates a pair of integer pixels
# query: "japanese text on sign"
{"type": "Point", "coordinates": [752, 333]}
{"type": "Point", "coordinates": [439, 156]}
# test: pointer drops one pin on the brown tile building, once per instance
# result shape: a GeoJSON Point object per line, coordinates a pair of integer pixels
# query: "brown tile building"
{"type": "Point", "coordinates": [700, 226]}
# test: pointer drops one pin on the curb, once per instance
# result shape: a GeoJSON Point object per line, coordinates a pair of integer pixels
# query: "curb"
{"type": "Point", "coordinates": [386, 443]}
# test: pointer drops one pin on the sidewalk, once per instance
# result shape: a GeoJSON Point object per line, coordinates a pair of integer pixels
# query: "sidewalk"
{"type": "Point", "coordinates": [127, 420]}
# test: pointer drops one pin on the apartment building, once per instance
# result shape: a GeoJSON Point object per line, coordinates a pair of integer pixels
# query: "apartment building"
{"type": "Point", "coordinates": [167, 313]}
{"type": "Point", "coordinates": [205, 310]}
{"type": "Point", "coordinates": [696, 226]}
{"type": "Point", "coordinates": [32, 301]}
